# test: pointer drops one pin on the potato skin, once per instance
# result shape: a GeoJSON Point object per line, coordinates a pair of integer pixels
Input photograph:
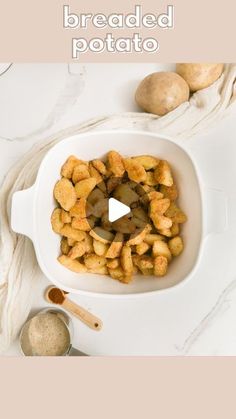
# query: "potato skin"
{"type": "Point", "coordinates": [160, 93]}
{"type": "Point", "coordinates": [199, 75]}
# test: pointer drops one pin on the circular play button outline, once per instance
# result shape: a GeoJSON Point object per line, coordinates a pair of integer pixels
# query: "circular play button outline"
{"type": "Point", "coordinates": [112, 211]}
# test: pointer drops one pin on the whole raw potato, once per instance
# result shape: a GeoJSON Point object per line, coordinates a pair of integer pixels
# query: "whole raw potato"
{"type": "Point", "coordinates": [199, 75]}
{"type": "Point", "coordinates": [160, 93]}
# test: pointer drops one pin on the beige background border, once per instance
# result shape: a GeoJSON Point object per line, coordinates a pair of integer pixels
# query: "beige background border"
{"type": "Point", "coordinates": [112, 388]}
{"type": "Point", "coordinates": [32, 31]}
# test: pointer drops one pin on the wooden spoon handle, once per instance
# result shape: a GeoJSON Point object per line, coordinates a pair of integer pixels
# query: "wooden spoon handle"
{"type": "Point", "coordinates": [85, 316]}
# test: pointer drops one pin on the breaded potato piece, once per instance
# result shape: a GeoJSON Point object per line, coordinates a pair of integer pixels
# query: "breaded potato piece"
{"type": "Point", "coordinates": [150, 179]}
{"type": "Point", "coordinates": [73, 265]}
{"type": "Point", "coordinates": [117, 273]}
{"type": "Point", "coordinates": [81, 209]}
{"type": "Point", "coordinates": [99, 166]}
{"type": "Point", "coordinates": [135, 258]}
{"type": "Point", "coordinates": [105, 223]}
{"type": "Point", "coordinates": [64, 193]}
{"type": "Point", "coordinates": [94, 261]}
{"type": "Point", "coordinates": [84, 187]}
{"type": "Point", "coordinates": [126, 260]}
{"type": "Point", "coordinates": [124, 225]}
{"type": "Point", "coordinates": [149, 196]}
{"type": "Point", "coordinates": [100, 248]}
{"type": "Point", "coordinates": [112, 183]}
{"type": "Point", "coordinates": [144, 264]}
{"type": "Point", "coordinates": [100, 208]}
{"type": "Point", "coordinates": [176, 246]}
{"type": "Point", "coordinates": [101, 235]}
{"type": "Point", "coordinates": [163, 174]}
{"type": "Point", "coordinates": [151, 238]}
{"type": "Point", "coordinates": [108, 171]}
{"type": "Point", "coordinates": [159, 206]}
{"type": "Point", "coordinates": [174, 229]}
{"type": "Point", "coordinates": [116, 164]}
{"type": "Point", "coordinates": [56, 221]}
{"type": "Point", "coordinates": [141, 189]}
{"type": "Point", "coordinates": [135, 170]}
{"type": "Point", "coordinates": [113, 263]}
{"type": "Point", "coordinates": [82, 224]}
{"type": "Point", "coordinates": [166, 232]}
{"type": "Point", "coordinates": [142, 248]}
{"type": "Point", "coordinates": [169, 192]}
{"type": "Point", "coordinates": [65, 217]}
{"type": "Point", "coordinates": [72, 233]}
{"type": "Point", "coordinates": [80, 172]}
{"type": "Point", "coordinates": [134, 205]}
{"type": "Point", "coordinates": [131, 184]}
{"type": "Point", "coordinates": [115, 247]}
{"type": "Point", "coordinates": [139, 235]}
{"type": "Point", "coordinates": [88, 241]}
{"type": "Point", "coordinates": [125, 194]}
{"type": "Point", "coordinates": [138, 222]}
{"type": "Point", "coordinates": [127, 278]}
{"type": "Point", "coordinates": [147, 271]}
{"type": "Point", "coordinates": [95, 196]}
{"type": "Point", "coordinates": [148, 162]}
{"type": "Point", "coordinates": [135, 270]}
{"type": "Point", "coordinates": [141, 214]}
{"type": "Point", "coordinates": [77, 250]}
{"type": "Point", "coordinates": [120, 275]}
{"type": "Point", "coordinates": [161, 248]}
{"type": "Point", "coordinates": [65, 248]}
{"type": "Point", "coordinates": [71, 242]}
{"type": "Point", "coordinates": [100, 271]}
{"type": "Point", "coordinates": [92, 220]}
{"type": "Point", "coordinates": [68, 167]}
{"type": "Point", "coordinates": [95, 174]}
{"type": "Point", "coordinates": [148, 188]}
{"type": "Point", "coordinates": [154, 195]}
{"type": "Point", "coordinates": [176, 214]}
{"type": "Point", "coordinates": [160, 266]}
{"type": "Point", "coordinates": [160, 221]}
{"type": "Point", "coordinates": [102, 187]}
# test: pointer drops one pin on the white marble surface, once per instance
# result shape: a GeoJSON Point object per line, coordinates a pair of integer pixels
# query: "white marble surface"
{"type": "Point", "coordinates": [197, 318]}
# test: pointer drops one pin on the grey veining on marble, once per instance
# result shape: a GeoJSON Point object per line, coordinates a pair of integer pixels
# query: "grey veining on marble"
{"type": "Point", "coordinates": [220, 309]}
{"type": "Point", "coordinates": [69, 94]}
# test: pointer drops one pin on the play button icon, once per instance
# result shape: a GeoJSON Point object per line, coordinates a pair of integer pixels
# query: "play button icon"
{"type": "Point", "coordinates": [116, 209]}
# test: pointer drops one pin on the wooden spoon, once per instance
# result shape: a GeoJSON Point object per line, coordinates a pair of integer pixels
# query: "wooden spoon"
{"type": "Point", "coordinates": [55, 295]}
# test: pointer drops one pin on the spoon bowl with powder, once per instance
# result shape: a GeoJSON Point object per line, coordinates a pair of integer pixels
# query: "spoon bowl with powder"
{"type": "Point", "coordinates": [55, 295]}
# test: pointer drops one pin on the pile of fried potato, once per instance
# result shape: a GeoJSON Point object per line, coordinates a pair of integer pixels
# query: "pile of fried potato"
{"type": "Point", "coordinates": [146, 240]}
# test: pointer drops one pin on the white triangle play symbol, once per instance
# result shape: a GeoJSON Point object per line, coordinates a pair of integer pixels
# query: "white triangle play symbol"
{"type": "Point", "coordinates": [116, 210]}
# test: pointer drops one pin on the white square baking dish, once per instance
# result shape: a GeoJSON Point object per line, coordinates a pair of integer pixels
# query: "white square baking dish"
{"type": "Point", "coordinates": [32, 208]}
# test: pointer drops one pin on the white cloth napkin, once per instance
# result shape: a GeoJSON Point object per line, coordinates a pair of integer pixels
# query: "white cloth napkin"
{"type": "Point", "coordinates": [19, 270]}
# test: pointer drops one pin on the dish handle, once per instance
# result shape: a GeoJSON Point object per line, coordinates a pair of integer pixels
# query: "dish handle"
{"type": "Point", "coordinates": [22, 212]}
{"type": "Point", "coordinates": [216, 210]}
